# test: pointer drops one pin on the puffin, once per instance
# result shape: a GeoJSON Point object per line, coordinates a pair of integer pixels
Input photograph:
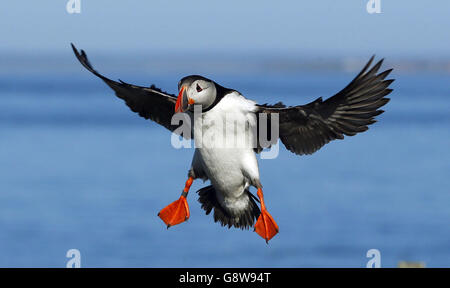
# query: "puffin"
{"type": "Point", "coordinates": [233, 170]}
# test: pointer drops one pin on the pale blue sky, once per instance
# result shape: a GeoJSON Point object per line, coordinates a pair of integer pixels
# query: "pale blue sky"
{"type": "Point", "coordinates": [328, 27]}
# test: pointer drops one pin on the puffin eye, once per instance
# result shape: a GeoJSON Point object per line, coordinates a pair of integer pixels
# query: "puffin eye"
{"type": "Point", "coordinates": [199, 89]}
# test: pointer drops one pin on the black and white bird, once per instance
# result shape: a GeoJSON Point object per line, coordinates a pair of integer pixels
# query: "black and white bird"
{"type": "Point", "coordinates": [303, 129]}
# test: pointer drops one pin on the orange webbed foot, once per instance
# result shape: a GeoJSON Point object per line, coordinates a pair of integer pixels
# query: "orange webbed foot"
{"type": "Point", "coordinates": [175, 213]}
{"type": "Point", "coordinates": [265, 226]}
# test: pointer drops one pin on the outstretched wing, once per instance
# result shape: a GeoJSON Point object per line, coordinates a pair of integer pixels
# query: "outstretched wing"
{"type": "Point", "coordinates": [306, 128]}
{"type": "Point", "coordinates": [149, 102]}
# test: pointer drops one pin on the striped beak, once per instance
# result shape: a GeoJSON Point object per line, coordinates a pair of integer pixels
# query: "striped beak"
{"type": "Point", "coordinates": [183, 101]}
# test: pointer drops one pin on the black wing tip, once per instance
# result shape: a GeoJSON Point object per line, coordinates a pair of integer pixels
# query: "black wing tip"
{"type": "Point", "coordinates": [380, 62]}
{"type": "Point", "coordinates": [75, 50]}
{"type": "Point", "coordinates": [388, 71]}
{"type": "Point", "coordinates": [82, 57]}
{"type": "Point", "coordinates": [367, 70]}
{"type": "Point", "coordinates": [366, 75]}
{"type": "Point", "coordinates": [366, 67]}
{"type": "Point", "coordinates": [375, 67]}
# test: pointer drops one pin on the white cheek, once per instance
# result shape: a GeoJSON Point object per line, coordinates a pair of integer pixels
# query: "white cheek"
{"type": "Point", "coordinates": [206, 97]}
{"type": "Point", "coordinates": [203, 97]}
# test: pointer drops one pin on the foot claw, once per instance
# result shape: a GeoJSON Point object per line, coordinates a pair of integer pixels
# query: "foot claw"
{"type": "Point", "coordinates": [266, 227]}
{"type": "Point", "coordinates": [175, 213]}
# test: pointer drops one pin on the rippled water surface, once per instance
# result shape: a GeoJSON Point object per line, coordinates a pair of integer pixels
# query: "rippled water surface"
{"type": "Point", "coordinates": [79, 170]}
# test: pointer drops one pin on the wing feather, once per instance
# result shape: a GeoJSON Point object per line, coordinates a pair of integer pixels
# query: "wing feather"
{"type": "Point", "coordinates": [304, 129]}
{"type": "Point", "coordinates": [149, 102]}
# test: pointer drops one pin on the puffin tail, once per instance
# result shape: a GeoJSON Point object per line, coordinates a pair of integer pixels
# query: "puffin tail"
{"type": "Point", "coordinates": [243, 218]}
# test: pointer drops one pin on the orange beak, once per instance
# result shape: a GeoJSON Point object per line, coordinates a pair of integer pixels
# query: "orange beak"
{"type": "Point", "coordinates": [183, 101]}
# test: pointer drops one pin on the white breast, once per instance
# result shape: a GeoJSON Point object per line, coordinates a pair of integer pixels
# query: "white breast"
{"type": "Point", "coordinates": [226, 147]}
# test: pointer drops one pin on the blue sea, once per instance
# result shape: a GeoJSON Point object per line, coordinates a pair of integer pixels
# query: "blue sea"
{"type": "Point", "coordinates": [79, 170]}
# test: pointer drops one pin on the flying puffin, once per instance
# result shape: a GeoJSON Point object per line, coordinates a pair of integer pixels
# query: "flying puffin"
{"type": "Point", "coordinates": [303, 129]}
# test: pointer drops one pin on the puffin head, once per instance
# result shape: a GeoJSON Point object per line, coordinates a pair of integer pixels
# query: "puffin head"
{"type": "Point", "coordinates": [195, 90]}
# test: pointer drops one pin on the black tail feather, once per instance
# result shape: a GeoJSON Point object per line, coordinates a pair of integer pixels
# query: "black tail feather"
{"type": "Point", "coordinates": [208, 199]}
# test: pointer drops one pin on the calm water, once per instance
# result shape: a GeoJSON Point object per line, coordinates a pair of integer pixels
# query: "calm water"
{"type": "Point", "coordinates": [79, 170]}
